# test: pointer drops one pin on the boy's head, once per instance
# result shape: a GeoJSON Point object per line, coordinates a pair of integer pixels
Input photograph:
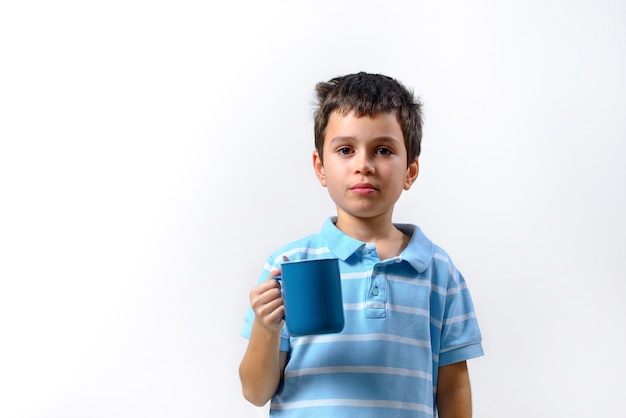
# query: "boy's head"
{"type": "Point", "coordinates": [369, 95]}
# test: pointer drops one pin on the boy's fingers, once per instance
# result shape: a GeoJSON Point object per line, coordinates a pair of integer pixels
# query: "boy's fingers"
{"type": "Point", "coordinates": [270, 283]}
{"type": "Point", "coordinates": [274, 273]}
{"type": "Point", "coordinates": [267, 285]}
{"type": "Point", "coordinates": [271, 313]}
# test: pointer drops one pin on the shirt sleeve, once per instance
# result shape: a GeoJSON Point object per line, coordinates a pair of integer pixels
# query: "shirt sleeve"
{"type": "Point", "coordinates": [460, 335]}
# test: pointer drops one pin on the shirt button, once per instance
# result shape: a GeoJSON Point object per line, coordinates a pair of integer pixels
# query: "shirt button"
{"type": "Point", "coordinates": [375, 291]}
{"type": "Point", "coordinates": [365, 251]}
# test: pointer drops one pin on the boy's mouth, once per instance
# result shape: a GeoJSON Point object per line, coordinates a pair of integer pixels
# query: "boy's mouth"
{"type": "Point", "coordinates": [363, 188]}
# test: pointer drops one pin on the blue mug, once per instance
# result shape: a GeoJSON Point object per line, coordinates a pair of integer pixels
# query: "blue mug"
{"type": "Point", "coordinates": [312, 296]}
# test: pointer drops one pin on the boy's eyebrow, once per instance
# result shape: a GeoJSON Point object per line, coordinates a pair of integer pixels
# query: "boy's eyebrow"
{"type": "Point", "coordinates": [351, 138]}
{"type": "Point", "coordinates": [389, 139]}
{"type": "Point", "coordinates": [340, 139]}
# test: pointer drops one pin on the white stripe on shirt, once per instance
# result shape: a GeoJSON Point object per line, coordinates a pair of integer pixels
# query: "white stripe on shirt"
{"type": "Point", "coordinates": [319, 339]}
{"type": "Point", "coordinates": [359, 369]}
{"type": "Point", "coordinates": [355, 403]}
{"type": "Point", "coordinates": [460, 318]}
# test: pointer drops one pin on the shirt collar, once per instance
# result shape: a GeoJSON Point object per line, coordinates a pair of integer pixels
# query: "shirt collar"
{"type": "Point", "coordinates": [418, 253]}
{"type": "Point", "coordinates": [342, 245]}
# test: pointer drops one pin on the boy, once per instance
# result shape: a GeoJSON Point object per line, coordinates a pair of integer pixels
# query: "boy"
{"type": "Point", "coordinates": [410, 322]}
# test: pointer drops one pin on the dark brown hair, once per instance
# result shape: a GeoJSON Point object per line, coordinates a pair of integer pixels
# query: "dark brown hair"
{"type": "Point", "coordinates": [369, 95]}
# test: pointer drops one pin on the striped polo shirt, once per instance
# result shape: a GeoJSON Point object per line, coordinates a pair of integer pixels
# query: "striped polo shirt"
{"type": "Point", "coordinates": [404, 318]}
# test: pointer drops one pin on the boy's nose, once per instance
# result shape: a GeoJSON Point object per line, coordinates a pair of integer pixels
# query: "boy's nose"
{"type": "Point", "coordinates": [363, 165]}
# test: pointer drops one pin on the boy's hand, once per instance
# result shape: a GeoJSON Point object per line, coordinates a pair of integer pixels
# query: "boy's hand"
{"type": "Point", "coordinates": [267, 302]}
{"type": "Point", "coordinates": [263, 364]}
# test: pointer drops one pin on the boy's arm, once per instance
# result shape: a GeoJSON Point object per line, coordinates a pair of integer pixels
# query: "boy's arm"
{"type": "Point", "coordinates": [262, 366]}
{"type": "Point", "coordinates": [454, 398]}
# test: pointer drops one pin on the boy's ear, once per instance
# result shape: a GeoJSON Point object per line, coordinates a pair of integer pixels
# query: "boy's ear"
{"type": "Point", "coordinates": [411, 174]}
{"type": "Point", "coordinates": [319, 168]}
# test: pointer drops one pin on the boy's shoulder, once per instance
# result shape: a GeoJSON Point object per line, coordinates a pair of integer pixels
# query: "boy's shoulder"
{"type": "Point", "coordinates": [305, 247]}
{"type": "Point", "coordinates": [422, 252]}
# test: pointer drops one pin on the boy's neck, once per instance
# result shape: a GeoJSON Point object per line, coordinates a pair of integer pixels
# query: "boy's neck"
{"type": "Point", "coordinates": [380, 230]}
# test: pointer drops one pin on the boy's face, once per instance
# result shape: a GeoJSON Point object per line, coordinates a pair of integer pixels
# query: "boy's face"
{"type": "Point", "coordinates": [365, 164]}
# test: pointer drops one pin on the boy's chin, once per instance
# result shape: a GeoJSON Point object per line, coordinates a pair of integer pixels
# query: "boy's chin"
{"type": "Point", "coordinates": [363, 214]}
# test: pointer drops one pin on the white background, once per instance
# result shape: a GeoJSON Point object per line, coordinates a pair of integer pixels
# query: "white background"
{"type": "Point", "coordinates": [154, 153]}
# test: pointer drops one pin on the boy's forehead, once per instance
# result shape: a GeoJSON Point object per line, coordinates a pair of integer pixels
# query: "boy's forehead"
{"type": "Point", "coordinates": [350, 124]}
{"type": "Point", "coordinates": [389, 120]}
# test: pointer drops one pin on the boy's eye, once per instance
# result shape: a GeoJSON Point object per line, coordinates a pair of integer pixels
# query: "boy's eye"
{"type": "Point", "coordinates": [344, 150]}
{"type": "Point", "coordinates": [384, 151]}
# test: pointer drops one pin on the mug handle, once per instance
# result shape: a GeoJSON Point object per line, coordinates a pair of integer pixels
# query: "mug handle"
{"type": "Point", "coordinates": [280, 286]}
